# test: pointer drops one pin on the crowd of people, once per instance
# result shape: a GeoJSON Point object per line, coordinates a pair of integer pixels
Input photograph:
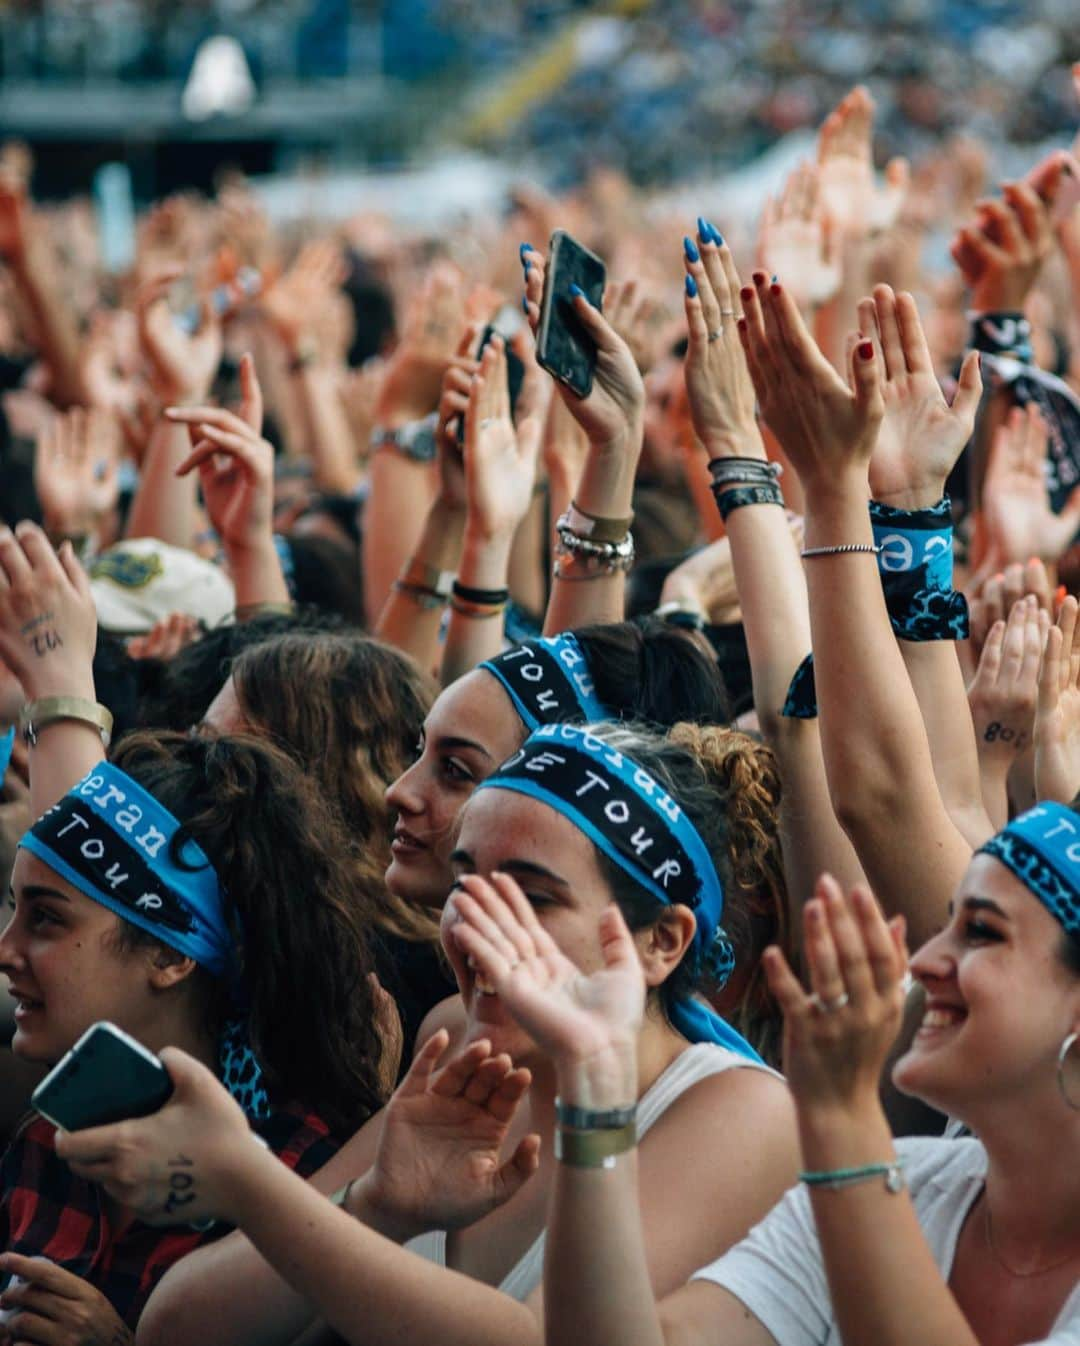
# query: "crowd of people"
{"type": "Point", "coordinates": [596, 866]}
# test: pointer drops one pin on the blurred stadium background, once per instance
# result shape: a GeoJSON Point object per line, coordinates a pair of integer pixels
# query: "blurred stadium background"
{"type": "Point", "coordinates": [317, 90]}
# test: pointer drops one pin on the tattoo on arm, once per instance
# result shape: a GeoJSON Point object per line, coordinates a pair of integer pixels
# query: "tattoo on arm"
{"type": "Point", "coordinates": [996, 732]}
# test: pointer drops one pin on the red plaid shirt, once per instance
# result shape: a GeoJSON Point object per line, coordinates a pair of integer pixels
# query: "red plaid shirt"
{"type": "Point", "coordinates": [45, 1210]}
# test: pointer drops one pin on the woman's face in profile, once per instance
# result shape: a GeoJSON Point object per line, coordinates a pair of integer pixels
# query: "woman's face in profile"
{"type": "Point", "coordinates": [470, 729]}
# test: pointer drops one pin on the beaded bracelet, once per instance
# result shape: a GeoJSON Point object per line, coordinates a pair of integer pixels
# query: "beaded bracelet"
{"type": "Point", "coordinates": [580, 546]}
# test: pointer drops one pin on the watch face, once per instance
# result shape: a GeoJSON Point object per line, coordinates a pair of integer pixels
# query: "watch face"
{"type": "Point", "coordinates": [421, 445]}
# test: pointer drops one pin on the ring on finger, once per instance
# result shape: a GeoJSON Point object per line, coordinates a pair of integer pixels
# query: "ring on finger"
{"type": "Point", "coordinates": [728, 313]}
{"type": "Point", "coordinates": [715, 336]}
{"type": "Point", "coordinates": [830, 1006]}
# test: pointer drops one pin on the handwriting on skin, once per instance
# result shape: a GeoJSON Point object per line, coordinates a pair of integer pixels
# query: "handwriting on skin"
{"type": "Point", "coordinates": [42, 635]}
{"type": "Point", "coordinates": [182, 1189]}
{"type": "Point", "coordinates": [998, 732]}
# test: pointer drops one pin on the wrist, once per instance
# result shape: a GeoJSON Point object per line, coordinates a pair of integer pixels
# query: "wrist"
{"type": "Point", "coordinates": [842, 486]}
{"type": "Point", "coordinates": [918, 496]}
{"type": "Point", "coordinates": [366, 1203]}
{"type": "Point", "coordinates": [603, 1080]}
{"type": "Point", "coordinates": [237, 1175]}
{"type": "Point", "coordinates": [485, 557]}
{"type": "Point", "coordinates": [841, 1133]}
{"type": "Point", "coordinates": [744, 443]}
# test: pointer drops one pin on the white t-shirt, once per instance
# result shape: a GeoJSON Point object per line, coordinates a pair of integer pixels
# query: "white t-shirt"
{"type": "Point", "coordinates": [692, 1065]}
{"type": "Point", "coordinates": [777, 1272]}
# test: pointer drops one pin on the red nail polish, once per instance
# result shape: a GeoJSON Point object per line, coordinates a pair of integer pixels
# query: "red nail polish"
{"type": "Point", "coordinates": [759, 278]}
{"type": "Point", "coordinates": [774, 289]}
{"type": "Point", "coordinates": [866, 350]}
{"type": "Point", "coordinates": [1060, 593]}
{"type": "Point", "coordinates": [746, 292]}
{"type": "Point", "coordinates": [741, 324]}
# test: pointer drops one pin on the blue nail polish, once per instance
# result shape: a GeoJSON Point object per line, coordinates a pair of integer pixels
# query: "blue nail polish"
{"type": "Point", "coordinates": [523, 249]}
{"type": "Point", "coordinates": [577, 292]}
{"type": "Point", "coordinates": [692, 254]}
{"type": "Point", "coordinates": [703, 231]}
{"type": "Point", "coordinates": [525, 306]}
{"type": "Point", "coordinates": [773, 281]}
{"type": "Point", "coordinates": [715, 234]}
{"type": "Point", "coordinates": [691, 287]}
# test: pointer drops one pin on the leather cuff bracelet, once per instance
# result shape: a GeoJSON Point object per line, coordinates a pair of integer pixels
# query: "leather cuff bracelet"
{"type": "Point", "coordinates": [594, 1149]}
{"type": "Point", "coordinates": [38, 714]}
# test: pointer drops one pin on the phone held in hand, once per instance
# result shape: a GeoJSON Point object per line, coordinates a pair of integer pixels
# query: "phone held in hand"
{"type": "Point", "coordinates": [515, 369]}
{"type": "Point", "coordinates": [563, 347]}
{"type": "Point", "coordinates": [106, 1077]}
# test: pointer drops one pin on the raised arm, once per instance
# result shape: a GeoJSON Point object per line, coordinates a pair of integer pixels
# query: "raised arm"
{"type": "Point", "coordinates": [769, 579]}
{"type": "Point", "coordinates": [500, 469]}
{"type": "Point", "coordinates": [920, 439]}
{"type": "Point", "coordinates": [877, 758]}
{"type": "Point", "coordinates": [181, 370]}
{"type": "Point", "coordinates": [236, 471]}
{"type": "Point", "coordinates": [589, 587]}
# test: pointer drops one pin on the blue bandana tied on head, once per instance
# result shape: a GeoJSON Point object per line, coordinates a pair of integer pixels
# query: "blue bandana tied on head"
{"type": "Point", "coordinates": [549, 682]}
{"type": "Point", "coordinates": [1042, 848]}
{"type": "Point", "coordinates": [625, 812]}
{"type": "Point", "coordinates": [113, 841]}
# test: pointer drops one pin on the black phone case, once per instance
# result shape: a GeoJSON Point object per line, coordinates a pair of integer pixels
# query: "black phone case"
{"type": "Point", "coordinates": [102, 1080]}
{"type": "Point", "coordinates": [563, 347]}
{"type": "Point", "coordinates": [515, 375]}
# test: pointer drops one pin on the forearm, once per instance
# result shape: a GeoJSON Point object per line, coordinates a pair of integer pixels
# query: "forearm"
{"type": "Point", "coordinates": [885, 1286]}
{"type": "Point", "coordinates": [597, 1287]}
{"type": "Point", "coordinates": [699, 484]}
{"type": "Point", "coordinates": [527, 574]}
{"type": "Point", "coordinates": [583, 597]}
{"type": "Point", "coordinates": [471, 639]}
{"type": "Point", "coordinates": [876, 755]}
{"type": "Point", "coordinates": [367, 1288]}
{"type": "Point", "coordinates": [934, 671]}
{"type": "Point", "coordinates": [403, 622]}
{"type": "Point", "coordinates": [333, 452]}
{"type": "Point", "coordinates": [257, 575]}
{"type": "Point", "coordinates": [164, 506]}
{"type": "Point", "coordinates": [994, 788]}
{"type": "Point", "coordinates": [54, 324]}
{"type": "Point", "coordinates": [402, 492]}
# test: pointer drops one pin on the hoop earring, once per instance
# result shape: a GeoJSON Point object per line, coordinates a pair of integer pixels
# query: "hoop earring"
{"type": "Point", "coordinates": [1066, 1047]}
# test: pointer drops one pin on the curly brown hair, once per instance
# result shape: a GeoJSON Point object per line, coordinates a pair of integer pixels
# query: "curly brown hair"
{"type": "Point", "coordinates": [299, 928]}
{"type": "Point", "coordinates": [350, 710]}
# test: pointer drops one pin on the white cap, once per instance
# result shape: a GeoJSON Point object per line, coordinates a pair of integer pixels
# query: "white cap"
{"type": "Point", "coordinates": [139, 581]}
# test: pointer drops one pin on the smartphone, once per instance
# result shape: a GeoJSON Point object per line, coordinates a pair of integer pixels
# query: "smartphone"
{"type": "Point", "coordinates": [114, 207]}
{"type": "Point", "coordinates": [563, 347]}
{"type": "Point", "coordinates": [106, 1077]}
{"type": "Point", "coordinates": [515, 369]}
{"type": "Point", "coordinates": [223, 299]}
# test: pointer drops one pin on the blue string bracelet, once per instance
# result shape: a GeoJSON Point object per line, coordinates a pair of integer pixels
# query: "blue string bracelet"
{"type": "Point", "coordinates": [838, 1178]}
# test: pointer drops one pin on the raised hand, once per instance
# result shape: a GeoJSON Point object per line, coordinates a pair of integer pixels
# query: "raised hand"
{"type": "Point", "coordinates": [1016, 506]}
{"type": "Point", "coordinates": [837, 1036]}
{"type": "Point", "coordinates": [1003, 249]}
{"type": "Point", "coordinates": [236, 465]}
{"type": "Point", "coordinates": [48, 624]}
{"type": "Point", "coordinates": [75, 471]}
{"type": "Point", "coordinates": [181, 367]}
{"type": "Point", "coordinates": [921, 435]}
{"type": "Point", "coordinates": [432, 330]}
{"type": "Point", "coordinates": [438, 1163]}
{"type": "Point", "coordinates": [166, 638]}
{"type": "Point", "coordinates": [991, 599]}
{"type": "Point", "coordinates": [849, 194]}
{"type": "Point", "coordinates": [453, 404]}
{"type": "Point", "coordinates": [173, 1167]}
{"type": "Point", "coordinates": [500, 459]}
{"type": "Point", "coordinates": [637, 318]}
{"type": "Point", "coordinates": [613, 413]}
{"type": "Point", "coordinates": [718, 384]}
{"type": "Point", "coordinates": [825, 425]}
{"type": "Point", "coordinates": [588, 1025]}
{"type": "Point", "coordinates": [1003, 693]}
{"type": "Point", "coordinates": [796, 240]}
{"type": "Point", "coordinates": [295, 303]}
{"type": "Point", "coordinates": [1057, 717]}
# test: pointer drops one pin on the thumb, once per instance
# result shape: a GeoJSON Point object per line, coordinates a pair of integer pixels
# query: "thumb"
{"type": "Point", "coordinates": [423, 1063]}
{"type": "Point", "coordinates": [616, 942]}
{"type": "Point", "coordinates": [969, 387]}
{"type": "Point", "coordinates": [188, 1075]}
{"type": "Point", "coordinates": [518, 1169]}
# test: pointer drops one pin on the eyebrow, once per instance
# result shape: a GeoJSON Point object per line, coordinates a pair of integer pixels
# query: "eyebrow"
{"type": "Point", "coordinates": [451, 741]}
{"type": "Point", "coordinates": [984, 904]}
{"type": "Point", "coordinates": [514, 867]}
{"type": "Point", "coordinates": [35, 890]}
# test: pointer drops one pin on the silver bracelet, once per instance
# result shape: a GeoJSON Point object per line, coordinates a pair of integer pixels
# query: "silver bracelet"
{"type": "Point", "coordinates": [843, 550]}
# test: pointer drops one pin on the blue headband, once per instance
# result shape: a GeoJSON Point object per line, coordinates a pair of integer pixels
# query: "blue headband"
{"type": "Point", "coordinates": [114, 842]}
{"type": "Point", "coordinates": [1042, 848]}
{"type": "Point", "coordinates": [625, 812]}
{"type": "Point", "coordinates": [549, 682]}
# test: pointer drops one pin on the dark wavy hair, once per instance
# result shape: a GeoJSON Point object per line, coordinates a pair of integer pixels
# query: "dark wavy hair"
{"type": "Point", "coordinates": [299, 926]}
{"type": "Point", "coordinates": [350, 710]}
{"type": "Point", "coordinates": [648, 671]}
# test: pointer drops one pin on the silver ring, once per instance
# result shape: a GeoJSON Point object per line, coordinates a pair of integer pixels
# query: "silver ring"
{"type": "Point", "coordinates": [714, 336]}
{"type": "Point", "coordinates": [486, 421]}
{"type": "Point", "coordinates": [728, 313]}
{"type": "Point", "coordinates": [830, 1006]}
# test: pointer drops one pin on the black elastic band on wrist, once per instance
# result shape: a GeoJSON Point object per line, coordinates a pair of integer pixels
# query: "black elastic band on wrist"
{"type": "Point", "coordinates": [484, 596]}
{"type": "Point", "coordinates": [730, 498]}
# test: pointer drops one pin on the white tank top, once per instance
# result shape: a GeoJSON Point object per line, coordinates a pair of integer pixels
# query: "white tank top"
{"type": "Point", "coordinates": [694, 1064]}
